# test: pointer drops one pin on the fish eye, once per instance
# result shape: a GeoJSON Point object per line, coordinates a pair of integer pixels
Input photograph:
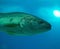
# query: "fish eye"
{"type": "Point", "coordinates": [41, 22]}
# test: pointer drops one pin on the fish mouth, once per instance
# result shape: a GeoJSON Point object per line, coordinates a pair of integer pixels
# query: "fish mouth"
{"type": "Point", "coordinates": [48, 26]}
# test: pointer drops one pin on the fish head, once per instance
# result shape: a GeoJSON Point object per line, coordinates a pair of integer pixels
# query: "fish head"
{"type": "Point", "coordinates": [36, 25]}
{"type": "Point", "coordinates": [40, 25]}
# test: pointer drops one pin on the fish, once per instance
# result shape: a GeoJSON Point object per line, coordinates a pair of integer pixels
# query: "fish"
{"type": "Point", "coordinates": [21, 23]}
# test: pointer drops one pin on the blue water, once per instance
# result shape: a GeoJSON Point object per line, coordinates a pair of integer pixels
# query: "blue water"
{"type": "Point", "coordinates": [41, 8]}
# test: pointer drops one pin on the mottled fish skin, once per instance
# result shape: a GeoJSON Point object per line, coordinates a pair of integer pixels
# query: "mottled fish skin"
{"type": "Point", "coordinates": [22, 23]}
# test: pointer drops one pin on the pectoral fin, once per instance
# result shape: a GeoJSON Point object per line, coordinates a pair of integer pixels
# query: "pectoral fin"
{"type": "Point", "coordinates": [10, 32]}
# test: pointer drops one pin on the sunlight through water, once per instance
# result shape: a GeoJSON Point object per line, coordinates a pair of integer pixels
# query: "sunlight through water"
{"type": "Point", "coordinates": [56, 13]}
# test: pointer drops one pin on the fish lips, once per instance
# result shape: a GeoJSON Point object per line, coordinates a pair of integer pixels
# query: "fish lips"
{"type": "Point", "coordinates": [48, 26]}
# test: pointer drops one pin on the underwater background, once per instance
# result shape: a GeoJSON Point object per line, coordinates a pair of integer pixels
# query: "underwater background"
{"type": "Point", "coordinates": [41, 8]}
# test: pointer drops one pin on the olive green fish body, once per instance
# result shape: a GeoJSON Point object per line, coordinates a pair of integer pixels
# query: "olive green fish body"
{"type": "Point", "coordinates": [22, 23]}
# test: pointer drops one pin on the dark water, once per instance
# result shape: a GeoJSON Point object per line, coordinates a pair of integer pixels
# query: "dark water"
{"type": "Point", "coordinates": [41, 8]}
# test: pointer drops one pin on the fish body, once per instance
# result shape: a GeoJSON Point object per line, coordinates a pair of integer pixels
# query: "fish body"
{"type": "Point", "coordinates": [22, 23]}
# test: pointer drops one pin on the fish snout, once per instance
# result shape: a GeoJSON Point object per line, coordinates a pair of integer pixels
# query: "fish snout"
{"type": "Point", "coordinates": [48, 26]}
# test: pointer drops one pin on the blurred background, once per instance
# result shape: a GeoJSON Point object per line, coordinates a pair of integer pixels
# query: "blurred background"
{"type": "Point", "coordinates": [48, 10]}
